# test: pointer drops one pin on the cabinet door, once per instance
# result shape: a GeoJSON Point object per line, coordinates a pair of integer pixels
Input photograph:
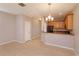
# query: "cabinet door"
{"type": "Point", "coordinates": [70, 22]}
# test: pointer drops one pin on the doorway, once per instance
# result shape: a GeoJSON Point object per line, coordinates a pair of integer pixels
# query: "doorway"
{"type": "Point", "coordinates": [27, 30]}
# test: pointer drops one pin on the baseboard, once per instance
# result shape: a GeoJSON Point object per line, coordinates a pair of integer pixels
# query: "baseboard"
{"type": "Point", "coordinates": [58, 46]}
{"type": "Point", "coordinates": [76, 53]}
{"type": "Point", "coordinates": [20, 41]}
{"type": "Point", "coordinates": [6, 42]}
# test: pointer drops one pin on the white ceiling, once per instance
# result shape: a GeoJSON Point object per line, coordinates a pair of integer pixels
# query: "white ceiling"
{"type": "Point", "coordinates": [58, 10]}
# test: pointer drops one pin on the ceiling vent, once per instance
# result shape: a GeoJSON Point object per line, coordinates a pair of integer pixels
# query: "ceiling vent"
{"type": "Point", "coordinates": [22, 4]}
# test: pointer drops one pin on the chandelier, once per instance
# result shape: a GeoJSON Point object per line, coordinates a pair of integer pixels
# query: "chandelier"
{"type": "Point", "coordinates": [49, 17]}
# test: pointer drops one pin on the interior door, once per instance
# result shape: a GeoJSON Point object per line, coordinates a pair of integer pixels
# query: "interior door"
{"type": "Point", "coordinates": [27, 30]}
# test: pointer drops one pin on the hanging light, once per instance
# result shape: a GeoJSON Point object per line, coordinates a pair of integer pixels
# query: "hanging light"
{"type": "Point", "coordinates": [46, 19]}
{"type": "Point", "coordinates": [49, 17]}
{"type": "Point", "coordinates": [40, 19]}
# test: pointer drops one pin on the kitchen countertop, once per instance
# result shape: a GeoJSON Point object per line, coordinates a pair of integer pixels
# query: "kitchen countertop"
{"type": "Point", "coordinates": [58, 33]}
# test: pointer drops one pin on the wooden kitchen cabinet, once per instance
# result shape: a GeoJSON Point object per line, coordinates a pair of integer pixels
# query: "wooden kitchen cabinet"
{"type": "Point", "coordinates": [57, 24]}
{"type": "Point", "coordinates": [69, 22]}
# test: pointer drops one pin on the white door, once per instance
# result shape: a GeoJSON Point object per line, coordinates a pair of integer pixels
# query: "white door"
{"type": "Point", "coordinates": [27, 30]}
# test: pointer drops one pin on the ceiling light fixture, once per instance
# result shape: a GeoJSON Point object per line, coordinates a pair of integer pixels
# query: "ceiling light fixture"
{"type": "Point", "coordinates": [49, 17]}
{"type": "Point", "coordinates": [39, 19]}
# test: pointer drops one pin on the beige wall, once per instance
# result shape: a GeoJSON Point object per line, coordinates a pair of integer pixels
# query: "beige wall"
{"type": "Point", "coordinates": [19, 28]}
{"type": "Point", "coordinates": [23, 28]}
{"type": "Point", "coordinates": [7, 27]}
{"type": "Point", "coordinates": [76, 29]}
{"type": "Point", "coordinates": [35, 28]}
{"type": "Point", "coordinates": [43, 25]}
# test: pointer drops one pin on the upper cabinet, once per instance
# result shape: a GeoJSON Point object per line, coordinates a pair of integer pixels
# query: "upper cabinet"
{"type": "Point", "coordinates": [69, 22]}
{"type": "Point", "coordinates": [56, 24]}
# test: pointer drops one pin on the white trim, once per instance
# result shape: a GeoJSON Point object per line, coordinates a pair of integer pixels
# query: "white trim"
{"type": "Point", "coordinates": [20, 41]}
{"type": "Point", "coordinates": [6, 42]}
{"type": "Point", "coordinates": [76, 53]}
{"type": "Point", "coordinates": [58, 45]}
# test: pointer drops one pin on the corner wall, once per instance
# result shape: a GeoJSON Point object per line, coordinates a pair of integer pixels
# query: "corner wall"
{"type": "Point", "coordinates": [19, 28]}
{"type": "Point", "coordinates": [76, 29]}
{"type": "Point", "coordinates": [36, 28]}
{"type": "Point", "coordinates": [25, 31]}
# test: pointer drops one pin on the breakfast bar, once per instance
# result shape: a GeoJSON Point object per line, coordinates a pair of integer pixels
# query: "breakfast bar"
{"type": "Point", "coordinates": [57, 39]}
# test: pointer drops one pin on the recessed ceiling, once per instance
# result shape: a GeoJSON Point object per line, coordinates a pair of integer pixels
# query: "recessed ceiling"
{"type": "Point", "coordinates": [58, 10]}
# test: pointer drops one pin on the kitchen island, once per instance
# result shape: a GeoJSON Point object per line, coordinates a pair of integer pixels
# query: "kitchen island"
{"type": "Point", "coordinates": [57, 39]}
